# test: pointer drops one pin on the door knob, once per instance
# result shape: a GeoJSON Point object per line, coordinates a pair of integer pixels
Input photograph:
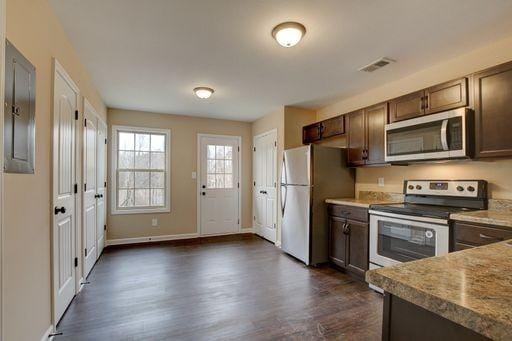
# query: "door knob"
{"type": "Point", "coordinates": [203, 186]}
{"type": "Point", "coordinates": [203, 193]}
{"type": "Point", "coordinates": [60, 210]}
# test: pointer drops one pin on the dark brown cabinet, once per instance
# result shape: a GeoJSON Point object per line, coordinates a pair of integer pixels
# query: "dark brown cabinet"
{"type": "Point", "coordinates": [445, 96]}
{"type": "Point", "coordinates": [366, 135]}
{"type": "Point", "coordinates": [493, 111]}
{"type": "Point", "coordinates": [311, 133]}
{"type": "Point", "coordinates": [348, 239]}
{"type": "Point", "coordinates": [469, 235]}
{"type": "Point", "coordinates": [324, 129]}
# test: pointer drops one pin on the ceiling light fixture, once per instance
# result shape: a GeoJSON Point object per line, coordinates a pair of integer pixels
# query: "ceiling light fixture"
{"type": "Point", "coordinates": [289, 33]}
{"type": "Point", "coordinates": [203, 92]}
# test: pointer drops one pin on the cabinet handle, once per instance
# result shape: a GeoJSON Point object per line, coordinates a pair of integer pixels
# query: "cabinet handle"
{"type": "Point", "coordinates": [422, 104]}
{"type": "Point", "coordinates": [427, 99]}
{"type": "Point", "coordinates": [483, 236]}
{"type": "Point", "coordinates": [346, 228]}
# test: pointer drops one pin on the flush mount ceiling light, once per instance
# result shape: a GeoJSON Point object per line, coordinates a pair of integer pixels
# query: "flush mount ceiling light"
{"type": "Point", "coordinates": [203, 92]}
{"type": "Point", "coordinates": [289, 33]}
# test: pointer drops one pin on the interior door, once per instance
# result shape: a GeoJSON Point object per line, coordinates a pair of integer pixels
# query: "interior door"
{"type": "Point", "coordinates": [219, 185]}
{"type": "Point", "coordinates": [90, 188]}
{"type": "Point", "coordinates": [101, 184]}
{"type": "Point", "coordinates": [63, 230]}
{"type": "Point", "coordinates": [265, 185]}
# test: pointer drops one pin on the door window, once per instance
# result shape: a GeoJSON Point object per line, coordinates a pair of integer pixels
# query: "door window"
{"type": "Point", "coordinates": [219, 172]}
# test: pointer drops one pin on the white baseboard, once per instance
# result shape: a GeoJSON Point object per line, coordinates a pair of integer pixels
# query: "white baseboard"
{"type": "Point", "coordinates": [150, 239]}
{"type": "Point", "coordinates": [247, 230]}
{"type": "Point", "coordinates": [278, 244]}
{"type": "Point", "coordinates": [46, 335]}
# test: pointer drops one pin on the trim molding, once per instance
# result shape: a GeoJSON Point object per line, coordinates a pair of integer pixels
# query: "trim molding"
{"type": "Point", "coordinates": [247, 230]}
{"type": "Point", "coordinates": [46, 335]}
{"type": "Point", "coordinates": [149, 239]}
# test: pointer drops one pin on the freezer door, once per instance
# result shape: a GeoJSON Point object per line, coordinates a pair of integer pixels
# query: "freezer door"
{"type": "Point", "coordinates": [296, 223]}
{"type": "Point", "coordinates": [297, 166]}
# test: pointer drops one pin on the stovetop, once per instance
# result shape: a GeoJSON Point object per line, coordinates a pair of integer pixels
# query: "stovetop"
{"type": "Point", "coordinates": [420, 210]}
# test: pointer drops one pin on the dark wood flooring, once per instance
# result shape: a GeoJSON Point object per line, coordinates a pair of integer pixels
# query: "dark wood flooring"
{"type": "Point", "coordinates": [237, 288]}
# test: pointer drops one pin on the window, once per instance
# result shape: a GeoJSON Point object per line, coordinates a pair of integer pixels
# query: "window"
{"type": "Point", "coordinates": [219, 173]}
{"type": "Point", "coordinates": [140, 170]}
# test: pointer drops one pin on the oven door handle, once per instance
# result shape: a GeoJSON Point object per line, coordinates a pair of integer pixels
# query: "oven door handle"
{"type": "Point", "coordinates": [444, 135]}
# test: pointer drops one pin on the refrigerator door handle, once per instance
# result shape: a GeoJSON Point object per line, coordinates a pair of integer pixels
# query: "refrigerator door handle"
{"type": "Point", "coordinates": [283, 197]}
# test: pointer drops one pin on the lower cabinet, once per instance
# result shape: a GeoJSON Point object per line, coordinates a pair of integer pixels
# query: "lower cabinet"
{"type": "Point", "coordinates": [348, 240]}
{"type": "Point", "coordinates": [469, 235]}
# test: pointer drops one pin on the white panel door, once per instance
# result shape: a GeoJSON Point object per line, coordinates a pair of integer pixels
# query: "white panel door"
{"type": "Point", "coordinates": [265, 185]}
{"type": "Point", "coordinates": [219, 185]}
{"type": "Point", "coordinates": [64, 221]}
{"type": "Point", "coordinates": [90, 188]}
{"type": "Point", "coordinates": [101, 177]}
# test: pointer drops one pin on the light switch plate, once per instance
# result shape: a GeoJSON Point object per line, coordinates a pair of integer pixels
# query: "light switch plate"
{"type": "Point", "coordinates": [194, 175]}
{"type": "Point", "coordinates": [381, 182]}
{"type": "Point", "coordinates": [154, 222]}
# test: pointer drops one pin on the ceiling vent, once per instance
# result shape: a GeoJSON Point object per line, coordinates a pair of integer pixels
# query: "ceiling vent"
{"type": "Point", "coordinates": [377, 64]}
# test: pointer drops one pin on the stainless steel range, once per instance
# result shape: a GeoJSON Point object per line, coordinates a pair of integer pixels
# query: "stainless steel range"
{"type": "Point", "coordinates": [420, 227]}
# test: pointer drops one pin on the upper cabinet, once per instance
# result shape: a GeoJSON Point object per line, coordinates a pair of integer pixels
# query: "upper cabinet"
{"type": "Point", "coordinates": [324, 129]}
{"type": "Point", "coordinates": [446, 96]}
{"type": "Point", "coordinates": [493, 111]}
{"type": "Point", "coordinates": [366, 135]}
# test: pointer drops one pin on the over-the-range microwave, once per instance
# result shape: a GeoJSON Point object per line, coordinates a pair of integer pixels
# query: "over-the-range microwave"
{"type": "Point", "coordinates": [446, 135]}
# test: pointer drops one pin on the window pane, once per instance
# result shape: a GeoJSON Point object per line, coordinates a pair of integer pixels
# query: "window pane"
{"type": "Point", "coordinates": [157, 197]}
{"type": "Point", "coordinates": [219, 166]}
{"type": "Point", "coordinates": [125, 160]}
{"type": "Point", "coordinates": [210, 181]}
{"type": "Point", "coordinates": [125, 141]}
{"type": "Point", "coordinates": [157, 160]}
{"type": "Point", "coordinates": [157, 180]}
{"type": "Point", "coordinates": [211, 166]}
{"type": "Point", "coordinates": [211, 152]}
{"type": "Point", "coordinates": [219, 152]}
{"type": "Point", "coordinates": [158, 143]}
{"type": "Point", "coordinates": [219, 181]}
{"type": "Point", "coordinates": [229, 166]}
{"type": "Point", "coordinates": [229, 152]}
{"type": "Point", "coordinates": [125, 197]}
{"type": "Point", "coordinates": [142, 142]}
{"type": "Point", "coordinates": [142, 197]}
{"type": "Point", "coordinates": [141, 179]}
{"type": "Point", "coordinates": [125, 179]}
{"type": "Point", "coordinates": [142, 160]}
{"type": "Point", "coordinates": [228, 181]}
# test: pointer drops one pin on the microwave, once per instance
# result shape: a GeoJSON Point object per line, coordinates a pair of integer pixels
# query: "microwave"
{"type": "Point", "coordinates": [446, 135]}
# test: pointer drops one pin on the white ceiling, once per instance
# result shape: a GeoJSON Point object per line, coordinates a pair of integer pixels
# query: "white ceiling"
{"type": "Point", "coordinates": [150, 54]}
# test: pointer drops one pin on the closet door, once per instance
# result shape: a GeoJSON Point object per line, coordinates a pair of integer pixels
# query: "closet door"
{"type": "Point", "coordinates": [101, 184]}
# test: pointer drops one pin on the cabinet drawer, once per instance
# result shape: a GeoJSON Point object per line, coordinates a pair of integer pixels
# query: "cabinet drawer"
{"type": "Point", "coordinates": [480, 235]}
{"type": "Point", "coordinates": [349, 212]}
{"type": "Point", "coordinates": [460, 247]}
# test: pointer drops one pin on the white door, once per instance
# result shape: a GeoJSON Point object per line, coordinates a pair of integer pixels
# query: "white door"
{"type": "Point", "coordinates": [265, 185]}
{"type": "Point", "coordinates": [90, 188]}
{"type": "Point", "coordinates": [101, 180]}
{"type": "Point", "coordinates": [219, 184]}
{"type": "Point", "coordinates": [64, 221]}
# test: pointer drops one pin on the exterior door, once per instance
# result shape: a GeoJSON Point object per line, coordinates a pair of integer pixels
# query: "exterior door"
{"type": "Point", "coordinates": [265, 185]}
{"type": "Point", "coordinates": [64, 221]}
{"type": "Point", "coordinates": [90, 187]}
{"type": "Point", "coordinates": [219, 185]}
{"type": "Point", "coordinates": [101, 183]}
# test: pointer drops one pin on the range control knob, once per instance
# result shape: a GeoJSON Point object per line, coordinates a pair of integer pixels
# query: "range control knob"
{"type": "Point", "coordinates": [460, 188]}
{"type": "Point", "coordinates": [471, 188]}
{"type": "Point", "coordinates": [411, 187]}
{"type": "Point", "coordinates": [418, 187]}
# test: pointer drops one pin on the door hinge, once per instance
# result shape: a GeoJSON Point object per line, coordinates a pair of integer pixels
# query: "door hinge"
{"type": "Point", "coordinates": [238, 222]}
{"type": "Point", "coordinates": [238, 148]}
{"type": "Point", "coordinates": [105, 184]}
{"type": "Point", "coordinates": [85, 122]}
{"type": "Point", "coordinates": [105, 141]}
{"type": "Point", "coordinates": [275, 143]}
{"type": "Point", "coordinates": [85, 187]}
{"type": "Point", "coordinates": [104, 227]}
{"type": "Point", "coordinates": [254, 218]}
{"type": "Point", "coordinates": [238, 184]}
{"type": "Point", "coordinates": [76, 115]}
{"type": "Point", "coordinates": [76, 188]}
{"type": "Point", "coordinates": [254, 148]}
{"type": "Point", "coordinates": [85, 252]}
{"type": "Point", "coordinates": [254, 183]}
{"type": "Point", "coordinates": [76, 262]}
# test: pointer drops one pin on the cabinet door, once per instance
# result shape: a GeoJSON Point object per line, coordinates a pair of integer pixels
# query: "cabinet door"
{"type": "Point", "coordinates": [446, 96]}
{"type": "Point", "coordinates": [311, 133]}
{"type": "Point", "coordinates": [376, 119]}
{"type": "Point", "coordinates": [356, 138]}
{"type": "Point", "coordinates": [408, 106]}
{"type": "Point", "coordinates": [493, 111]}
{"type": "Point", "coordinates": [337, 241]}
{"type": "Point", "coordinates": [333, 126]}
{"type": "Point", "coordinates": [357, 252]}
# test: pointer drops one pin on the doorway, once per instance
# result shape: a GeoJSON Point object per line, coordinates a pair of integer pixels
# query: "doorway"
{"type": "Point", "coordinates": [218, 182]}
{"type": "Point", "coordinates": [265, 185]}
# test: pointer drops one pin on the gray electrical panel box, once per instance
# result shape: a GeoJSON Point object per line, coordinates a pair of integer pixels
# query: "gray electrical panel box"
{"type": "Point", "coordinates": [20, 102]}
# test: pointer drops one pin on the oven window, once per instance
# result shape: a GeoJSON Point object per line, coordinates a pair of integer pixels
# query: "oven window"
{"type": "Point", "coordinates": [405, 243]}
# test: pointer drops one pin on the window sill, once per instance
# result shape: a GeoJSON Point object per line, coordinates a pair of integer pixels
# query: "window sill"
{"type": "Point", "coordinates": [141, 211]}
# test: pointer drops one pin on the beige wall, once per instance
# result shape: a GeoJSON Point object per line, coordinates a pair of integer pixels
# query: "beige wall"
{"type": "Point", "coordinates": [184, 130]}
{"type": "Point", "coordinates": [498, 172]}
{"type": "Point", "coordinates": [35, 31]}
{"type": "Point", "coordinates": [294, 119]}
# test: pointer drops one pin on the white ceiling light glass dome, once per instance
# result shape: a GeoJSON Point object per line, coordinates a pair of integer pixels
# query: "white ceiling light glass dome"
{"type": "Point", "coordinates": [203, 92]}
{"type": "Point", "coordinates": [289, 33]}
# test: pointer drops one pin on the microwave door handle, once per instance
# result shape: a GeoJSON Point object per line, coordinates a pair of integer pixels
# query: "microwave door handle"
{"type": "Point", "coordinates": [444, 135]}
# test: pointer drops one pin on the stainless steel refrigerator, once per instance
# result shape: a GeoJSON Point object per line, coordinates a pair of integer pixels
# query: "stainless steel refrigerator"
{"type": "Point", "coordinates": [311, 174]}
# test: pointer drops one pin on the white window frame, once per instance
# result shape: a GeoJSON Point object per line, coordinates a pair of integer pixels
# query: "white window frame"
{"type": "Point", "coordinates": [114, 210]}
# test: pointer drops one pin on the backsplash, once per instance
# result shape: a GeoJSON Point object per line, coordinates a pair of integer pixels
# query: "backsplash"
{"type": "Point", "coordinates": [384, 196]}
{"type": "Point", "coordinates": [500, 205]}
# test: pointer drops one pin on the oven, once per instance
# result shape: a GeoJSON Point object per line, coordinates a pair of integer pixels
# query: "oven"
{"type": "Point", "coordinates": [446, 135]}
{"type": "Point", "coordinates": [397, 238]}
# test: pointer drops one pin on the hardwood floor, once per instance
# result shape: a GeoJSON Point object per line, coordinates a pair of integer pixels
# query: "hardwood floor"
{"type": "Point", "coordinates": [238, 288]}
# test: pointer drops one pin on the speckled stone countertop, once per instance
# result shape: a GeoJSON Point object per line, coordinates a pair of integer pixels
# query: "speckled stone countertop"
{"type": "Point", "coordinates": [472, 287]}
{"type": "Point", "coordinates": [499, 213]}
{"type": "Point", "coordinates": [367, 198]}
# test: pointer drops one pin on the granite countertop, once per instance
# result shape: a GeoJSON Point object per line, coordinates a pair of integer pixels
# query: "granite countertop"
{"type": "Point", "coordinates": [472, 287]}
{"type": "Point", "coordinates": [362, 202]}
{"type": "Point", "coordinates": [490, 217]}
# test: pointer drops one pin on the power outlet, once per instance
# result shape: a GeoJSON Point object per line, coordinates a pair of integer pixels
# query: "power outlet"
{"type": "Point", "coordinates": [154, 222]}
{"type": "Point", "coordinates": [381, 182]}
